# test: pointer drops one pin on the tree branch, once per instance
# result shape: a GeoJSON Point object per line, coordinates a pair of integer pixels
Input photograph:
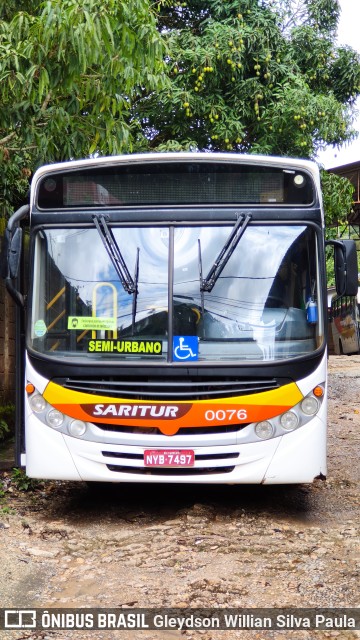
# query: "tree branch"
{"type": "Point", "coordinates": [7, 138]}
{"type": "Point", "coordinates": [46, 102]}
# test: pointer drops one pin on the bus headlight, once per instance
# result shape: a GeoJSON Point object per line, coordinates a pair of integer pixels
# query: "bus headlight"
{"type": "Point", "coordinates": [51, 417]}
{"type": "Point", "coordinates": [37, 403]}
{"type": "Point", "coordinates": [264, 430]}
{"type": "Point", "coordinates": [309, 405]}
{"type": "Point", "coordinates": [54, 418]}
{"type": "Point", "coordinates": [294, 418]}
{"type": "Point", "coordinates": [77, 428]}
{"type": "Point", "coordinates": [289, 421]}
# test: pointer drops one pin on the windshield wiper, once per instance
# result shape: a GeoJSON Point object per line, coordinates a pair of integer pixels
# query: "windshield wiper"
{"type": "Point", "coordinates": [201, 280]}
{"type": "Point", "coordinates": [129, 284]}
{"type": "Point", "coordinates": [207, 283]}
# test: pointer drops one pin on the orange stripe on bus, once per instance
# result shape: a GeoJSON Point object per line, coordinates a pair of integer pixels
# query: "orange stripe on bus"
{"type": "Point", "coordinates": [169, 416]}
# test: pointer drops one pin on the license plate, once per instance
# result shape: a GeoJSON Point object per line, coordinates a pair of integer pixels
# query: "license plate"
{"type": "Point", "coordinates": [169, 458]}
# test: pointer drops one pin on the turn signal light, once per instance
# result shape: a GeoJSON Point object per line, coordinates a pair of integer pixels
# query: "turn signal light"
{"type": "Point", "coordinates": [318, 392]}
{"type": "Point", "coordinates": [29, 388]}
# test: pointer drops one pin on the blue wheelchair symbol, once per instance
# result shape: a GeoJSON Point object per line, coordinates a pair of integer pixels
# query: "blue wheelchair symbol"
{"type": "Point", "coordinates": [186, 348]}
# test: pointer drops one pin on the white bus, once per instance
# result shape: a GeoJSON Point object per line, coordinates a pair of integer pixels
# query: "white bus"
{"type": "Point", "coordinates": [172, 319]}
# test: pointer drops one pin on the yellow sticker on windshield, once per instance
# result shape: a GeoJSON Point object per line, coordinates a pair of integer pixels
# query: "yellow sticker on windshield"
{"type": "Point", "coordinates": [125, 346]}
{"type": "Point", "coordinates": [90, 323]}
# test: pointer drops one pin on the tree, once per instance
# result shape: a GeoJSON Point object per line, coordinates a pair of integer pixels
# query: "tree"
{"type": "Point", "coordinates": [69, 70]}
{"type": "Point", "coordinates": [257, 76]}
{"type": "Point", "coordinates": [338, 200]}
{"type": "Point", "coordinates": [250, 76]}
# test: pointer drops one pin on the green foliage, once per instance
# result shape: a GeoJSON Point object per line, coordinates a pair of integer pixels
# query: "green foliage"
{"type": "Point", "coordinates": [79, 77]}
{"type": "Point", "coordinates": [345, 75]}
{"type": "Point", "coordinates": [7, 420]}
{"type": "Point", "coordinates": [4, 507]}
{"type": "Point", "coordinates": [22, 482]}
{"type": "Point", "coordinates": [245, 77]}
{"type": "Point", "coordinates": [68, 72]}
{"type": "Point", "coordinates": [323, 14]}
{"type": "Point", "coordinates": [4, 430]}
{"type": "Point", "coordinates": [338, 199]}
{"type": "Point", "coordinates": [9, 8]}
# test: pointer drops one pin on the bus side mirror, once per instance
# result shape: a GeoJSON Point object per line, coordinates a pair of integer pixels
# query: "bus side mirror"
{"type": "Point", "coordinates": [14, 253]}
{"type": "Point", "coordinates": [346, 269]}
{"type": "Point", "coordinates": [11, 259]}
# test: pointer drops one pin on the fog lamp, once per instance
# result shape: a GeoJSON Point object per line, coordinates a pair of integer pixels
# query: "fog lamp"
{"type": "Point", "coordinates": [77, 428]}
{"type": "Point", "coordinates": [37, 403]}
{"type": "Point", "coordinates": [264, 430]}
{"type": "Point", "coordinates": [289, 421]}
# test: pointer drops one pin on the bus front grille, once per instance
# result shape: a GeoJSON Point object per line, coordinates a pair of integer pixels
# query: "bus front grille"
{"type": "Point", "coordinates": [154, 431]}
{"type": "Point", "coordinates": [170, 472]}
{"type": "Point", "coordinates": [177, 388]}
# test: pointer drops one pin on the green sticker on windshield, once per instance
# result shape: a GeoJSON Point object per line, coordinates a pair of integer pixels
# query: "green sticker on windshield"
{"type": "Point", "coordinates": [89, 323]}
{"type": "Point", "coordinates": [40, 328]}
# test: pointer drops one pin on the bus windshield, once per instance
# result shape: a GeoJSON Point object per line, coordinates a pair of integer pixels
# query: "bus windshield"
{"type": "Point", "coordinates": [262, 306]}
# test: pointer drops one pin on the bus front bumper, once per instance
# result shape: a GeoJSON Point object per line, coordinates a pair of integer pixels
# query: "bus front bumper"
{"type": "Point", "coordinates": [296, 457]}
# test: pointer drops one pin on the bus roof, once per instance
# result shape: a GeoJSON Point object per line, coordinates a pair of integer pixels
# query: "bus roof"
{"type": "Point", "coordinates": [97, 181]}
{"type": "Point", "coordinates": [278, 161]}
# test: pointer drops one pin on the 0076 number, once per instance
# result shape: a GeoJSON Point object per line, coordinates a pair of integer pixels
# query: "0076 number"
{"type": "Point", "coordinates": [225, 415]}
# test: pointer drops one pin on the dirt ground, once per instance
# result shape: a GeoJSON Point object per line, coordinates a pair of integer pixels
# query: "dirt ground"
{"type": "Point", "coordinates": [64, 545]}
